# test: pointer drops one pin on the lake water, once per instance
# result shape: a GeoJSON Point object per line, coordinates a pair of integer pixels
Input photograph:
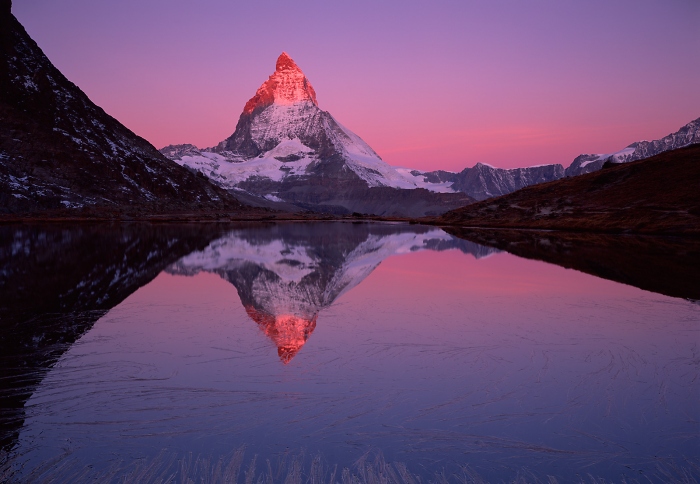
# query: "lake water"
{"type": "Point", "coordinates": [137, 353]}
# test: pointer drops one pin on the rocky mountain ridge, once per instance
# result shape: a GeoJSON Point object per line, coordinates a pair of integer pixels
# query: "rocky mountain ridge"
{"type": "Point", "coordinates": [484, 181]}
{"type": "Point", "coordinates": [685, 136]}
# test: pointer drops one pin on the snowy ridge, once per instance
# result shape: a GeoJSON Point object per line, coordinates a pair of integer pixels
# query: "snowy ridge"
{"type": "Point", "coordinates": [686, 135]}
{"type": "Point", "coordinates": [291, 157]}
{"type": "Point", "coordinates": [285, 144]}
{"type": "Point", "coordinates": [367, 164]}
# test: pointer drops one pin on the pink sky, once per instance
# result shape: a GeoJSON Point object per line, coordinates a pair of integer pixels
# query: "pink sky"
{"type": "Point", "coordinates": [429, 86]}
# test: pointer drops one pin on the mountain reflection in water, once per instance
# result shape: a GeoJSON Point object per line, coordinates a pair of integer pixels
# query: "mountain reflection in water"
{"type": "Point", "coordinates": [124, 352]}
{"type": "Point", "coordinates": [56, 281]}
{"type": "Point", "coordinates": [286, 273]}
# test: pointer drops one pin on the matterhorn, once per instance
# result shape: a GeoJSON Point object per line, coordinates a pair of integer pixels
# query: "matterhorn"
{"type": "Point", "coordinates": [287, 149]}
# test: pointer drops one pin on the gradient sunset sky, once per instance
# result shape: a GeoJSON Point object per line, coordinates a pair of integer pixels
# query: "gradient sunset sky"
{"type": "Point", "coordinates": [429, 85]}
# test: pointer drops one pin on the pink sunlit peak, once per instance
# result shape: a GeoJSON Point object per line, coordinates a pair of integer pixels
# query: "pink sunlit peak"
{"type": "Point", "coordinates": [287, 85]}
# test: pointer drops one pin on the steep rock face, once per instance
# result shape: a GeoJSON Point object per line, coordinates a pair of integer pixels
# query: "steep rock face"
{"type": "Point", "coordinates": [686, 135]}
{"type": "Point", "coordinates": [284, 114]}
{"type": "Point", "coordinates": [288, 85]}
{"type": "Point", "coordinates": [285, 149]}
{"type": "Point", "coordinates": [58, 150]}
{"type": "Point", "coordinates": [286, 274]}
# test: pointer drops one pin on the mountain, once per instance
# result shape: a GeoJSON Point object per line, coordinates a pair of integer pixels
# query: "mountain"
{"type": "Point", "coordinates": [656, 195]}
{"type": "Point", "coordinates": [686, 135]}
{"type": "Point", "coordinates": [285, 274]}
{"type": "Point", "coordinates": [285, 148]}
{"type": "Point", "coordinates": [60, 152]}
{"type": "Point", "coordinates": [484, 181]}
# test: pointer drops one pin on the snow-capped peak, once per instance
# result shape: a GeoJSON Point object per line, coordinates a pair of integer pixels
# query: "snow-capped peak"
{"type": "Point", "coordinates": [284, 62]}
{"type": "Point", "coordinates": [287, 85]}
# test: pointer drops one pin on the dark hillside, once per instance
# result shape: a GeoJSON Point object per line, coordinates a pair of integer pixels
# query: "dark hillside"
{"type": "Point", "coordinates": [59, 151]}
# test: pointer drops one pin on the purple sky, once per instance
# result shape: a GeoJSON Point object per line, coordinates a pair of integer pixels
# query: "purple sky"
{"type": "Point", "coordinates": [427, 85]}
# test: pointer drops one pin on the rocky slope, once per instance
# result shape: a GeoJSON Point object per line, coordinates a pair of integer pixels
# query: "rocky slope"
{"type": "Point", "coordinates": [655, 195]}
{"type": "Point", "coordinates": [686, 135]}
{"type": "Point", "coordinates": [61, 152]}
{"type": "Point", "coordinates": [286, 274]}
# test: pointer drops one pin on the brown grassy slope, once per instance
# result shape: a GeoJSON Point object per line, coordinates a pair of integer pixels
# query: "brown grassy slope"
{"type": "Point", "coordinates": [658, 195]}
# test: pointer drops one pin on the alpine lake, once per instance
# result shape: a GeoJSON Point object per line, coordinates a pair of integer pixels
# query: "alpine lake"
{"type": "Point", "coordinates": [346, 352]}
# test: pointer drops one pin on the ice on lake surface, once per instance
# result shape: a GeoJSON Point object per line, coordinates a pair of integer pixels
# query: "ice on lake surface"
{"type": "Point", "coordinates": [138, 353]}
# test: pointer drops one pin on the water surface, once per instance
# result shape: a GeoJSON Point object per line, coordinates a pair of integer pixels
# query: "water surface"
{"type": "Point", "coordinates": [335, 341]}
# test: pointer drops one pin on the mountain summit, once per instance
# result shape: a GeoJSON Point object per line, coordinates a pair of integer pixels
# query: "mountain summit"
{"type": "Point", "coordinates": [284, 114]}
{"type": "Point", "coordinates": [288, 85]}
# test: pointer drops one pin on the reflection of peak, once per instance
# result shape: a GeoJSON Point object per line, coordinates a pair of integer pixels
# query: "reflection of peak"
{"type": "Point", "coordinates": [287, 273]}
{"type": "Point", "coordinates": [287, 331]}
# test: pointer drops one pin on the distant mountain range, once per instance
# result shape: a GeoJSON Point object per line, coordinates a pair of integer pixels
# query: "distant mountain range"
{"type": "Point", "coordinates": [287, 153]}
{"type": "Point", "coordinates": [60, 152]}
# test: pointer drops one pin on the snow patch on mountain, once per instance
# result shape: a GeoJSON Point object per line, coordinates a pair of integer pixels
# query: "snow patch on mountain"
{"type": "Point", "coordinates": [292, 158]}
